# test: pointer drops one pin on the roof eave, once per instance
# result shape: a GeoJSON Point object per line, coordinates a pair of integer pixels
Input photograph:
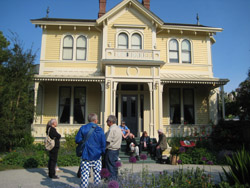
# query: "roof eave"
{"type": "Point", "coordinates": [62, 23]}
{"type": "Point", "coordinates": [192, 28]}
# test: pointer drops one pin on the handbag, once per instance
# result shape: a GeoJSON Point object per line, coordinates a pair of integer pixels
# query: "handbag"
{"type": "Point", "coordinates": [49, 143]}
{"type": "Point", "coordinates": [80, 147]}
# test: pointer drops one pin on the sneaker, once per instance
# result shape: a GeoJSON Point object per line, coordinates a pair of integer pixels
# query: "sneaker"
{"type": "Point", "coordinates": [119, 158]}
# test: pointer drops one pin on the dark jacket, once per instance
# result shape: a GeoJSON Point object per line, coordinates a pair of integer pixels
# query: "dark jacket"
{"type": "Point", "coordinates": [148, 140]}
{"type": "Point", "coordinates": [129, 141]}
{"type": "Point", "coordinates": [54, 134]}
{"type": "Point", "coordinates": [162, 142]}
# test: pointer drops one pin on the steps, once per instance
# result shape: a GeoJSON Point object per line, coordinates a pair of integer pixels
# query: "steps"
{"type": "Point", "coordinates": [124, 156]}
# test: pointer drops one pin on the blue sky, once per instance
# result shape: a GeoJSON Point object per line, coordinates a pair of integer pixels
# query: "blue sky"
{"type": "Point", "coordinates": [230, 53]}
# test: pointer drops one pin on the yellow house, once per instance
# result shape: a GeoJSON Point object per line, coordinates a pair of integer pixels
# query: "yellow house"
{"type": "Point", "coordinates": [129, 63]}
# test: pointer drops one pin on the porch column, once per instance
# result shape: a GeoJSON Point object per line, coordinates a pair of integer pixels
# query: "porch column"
{"type": "Point", "coordinates": [151, 124]}
{"type": "Point", "coordinates": [114, 97]}
{"type": "Point", "coordinates": [160, 105]}
{"type": "Point", "coordinates": [223, 102]}
{"type": "Point", "coordinates": [102, 105]}
{"type": "Point", "coordinates": [35, 101]}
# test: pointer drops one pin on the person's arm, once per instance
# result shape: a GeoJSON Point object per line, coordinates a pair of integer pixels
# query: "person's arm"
{"type": "Point", "coordinates": [54, 134]}
{"type": "Point", "coordinates": [79, 136]}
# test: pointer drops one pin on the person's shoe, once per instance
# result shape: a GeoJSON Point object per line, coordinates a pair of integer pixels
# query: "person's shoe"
{"type": "Point", "coordinates": [137, 158]}
{"type": "Point", "coordinates": [54, 177]}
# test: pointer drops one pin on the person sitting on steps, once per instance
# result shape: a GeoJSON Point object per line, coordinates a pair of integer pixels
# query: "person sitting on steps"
{"type": "Point", "coordinates": [132, 146]}
{"type": "Point", "coordinates": [145, 142]}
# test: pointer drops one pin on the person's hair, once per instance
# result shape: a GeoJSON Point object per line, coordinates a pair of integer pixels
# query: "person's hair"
{"type": "Point", "coordinates": [92, 117]}
{"type": "Point", "coordinates": [123, 122]}
{"type": "Point", "coordinates": [50, 123]}
{"type": "Point", "coordinates": [112, 118]}
{"type": "Point", "coordinates": [144, 132]}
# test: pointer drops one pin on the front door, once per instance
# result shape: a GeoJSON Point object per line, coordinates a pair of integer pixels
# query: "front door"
{"type": "Point", "coordinates": [129, 112]}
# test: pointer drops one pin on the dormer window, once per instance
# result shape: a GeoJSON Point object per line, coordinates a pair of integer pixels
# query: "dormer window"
{"type": "Point", "coordinates": [81, 46]}
{"type": "Point", "coordinates": [123, 41]}
{"type": "Point", "coordinates": [186, 51]}
{"type": "Point", "coordinates": [136, 42]}
{"type": "Point", "coordinates": [68, 47]}
{"type": "Point", "coordinates": [173, 51]}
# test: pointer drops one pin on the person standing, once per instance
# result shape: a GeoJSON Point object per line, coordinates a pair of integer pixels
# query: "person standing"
{"type": "Point", "coordinates": [53, 154]}
{"type": "Point", "coordinates": [113, 144]}
{"type": "Point", "coordinates": [94, 148]}
{"type": "Point", "coordinates": [125, 130]}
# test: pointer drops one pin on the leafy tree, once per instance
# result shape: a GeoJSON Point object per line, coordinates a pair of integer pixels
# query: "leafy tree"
{"type": "Point", "coordinates": [243, 98]}
{"type": "Point", "coordinates": [16, 96]}
{"type": "Point", "coordinates": [4, 51]}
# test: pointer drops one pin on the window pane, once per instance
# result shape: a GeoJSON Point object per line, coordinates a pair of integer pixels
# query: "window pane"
{"type": "Point", "coordinates": [173, 44]}
{"type": "Point", "coordinates": [188, 100]}
{"type": "Point", "coordinates": [175, 110]}
{"type": "Point", "coordinates": [79, 105]}
{"type": "Point", "coordinates": [81, 42]}
{"type": "Point", "coordinates": [123, 41]}
{"type": "Point", "coordinates": [64, 104]}
{"type": "Point", "coordinates": [185, 45]}
{"type": "Point", "coordinates": [81, 54]}
{"type": "Point", "coordinates": [67, 53]}
{"type": "Point", "coordinates": [68, 41]}
{"type": "Point", "coordinates": [136, 41]}
{"type": "Point", "coordinates": [186, 57]}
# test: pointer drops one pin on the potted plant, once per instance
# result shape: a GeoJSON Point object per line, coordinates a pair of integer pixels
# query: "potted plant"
{"type": "Point", "coordinates": [174, 155]}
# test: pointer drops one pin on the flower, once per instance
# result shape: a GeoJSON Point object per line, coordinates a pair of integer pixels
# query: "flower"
{"type": "Point", "coordinates": [132, 160]}
{"type": "Point", "coordinates": [204, 158]}
{"type": "Point", "coordinates": [182, 150]}
{"type": "Point", "coordinates": [104, 173]}
{"type": "Point", "coordinates": [143, 156]}
{"type": "Point", "coordinates": [210, 163]}
{"type": "Point", "coordinates": [113, 184]}
{"type": "Point", "coordinates": [118, 164]}
{"type": "Point", "coordinates": [179, 161]}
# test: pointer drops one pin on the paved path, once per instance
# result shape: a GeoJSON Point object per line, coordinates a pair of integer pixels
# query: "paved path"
{"type": "Point", "coordinates": [36, 178]}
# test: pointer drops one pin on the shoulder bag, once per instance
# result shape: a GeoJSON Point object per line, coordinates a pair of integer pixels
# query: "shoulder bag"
{"type": "Point", "coordinates": [80, 147]}
{"type": "Point", "coordinates": [49, 143]}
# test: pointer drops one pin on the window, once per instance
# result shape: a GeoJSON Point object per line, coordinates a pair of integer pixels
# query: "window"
{"type": "Point", "coordinates": [186, 51]}
{"type": "Point", "coordinates": [136, 42]}
{"type": "Point", "coordinates": [81, 46]}
{"type": "Point", "coordinates": [68, 48]}
{"type": "Point", "coordinates": [188, 105]}
{"type": "Point", "coordinates": [175, 106]}
{"type": "Point", "coordinates": [64, 104]}
{"type": "Point", "coordinates": [78, 102]}
{"type": "Point", "coordinates": [79, 105]}
{"type": "Point", "coordinates": [173, 51]}
{"type": "Point", "coordinates": [181, 109]}
{"type": "Point", "coordinates": [123, 41]}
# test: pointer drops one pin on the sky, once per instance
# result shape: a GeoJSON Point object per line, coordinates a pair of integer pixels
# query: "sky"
{"type": "Point", "coordinates": [230, 53]}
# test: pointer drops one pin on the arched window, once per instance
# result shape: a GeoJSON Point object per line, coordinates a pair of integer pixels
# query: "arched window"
{"type": "Point", "coordinates": [81, 48]}
{"type": "Point", "coordinates": [173, 51]}
{"type": "Point", "coordinates": [68, 47]}
{"type": "Point", "coordinates": [186, 51]}
{"type": "Point", "coordinates": [123, 41]}
{"type": "Point", "coordinates": [136, 42]}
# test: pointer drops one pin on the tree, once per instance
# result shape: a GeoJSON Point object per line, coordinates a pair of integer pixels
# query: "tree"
{"type": "Point", "coordinates": [16, 96]}
{"type": "Point", "coordinates": [4, 51]}
{"type": "Point", "coordinates": [243, 98]}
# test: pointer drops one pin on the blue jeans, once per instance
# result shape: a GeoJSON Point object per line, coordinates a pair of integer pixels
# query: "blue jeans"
{"type": "Point", "coordinates": [111, 156]}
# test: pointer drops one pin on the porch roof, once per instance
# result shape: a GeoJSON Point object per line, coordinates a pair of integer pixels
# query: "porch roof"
{"type": "Point", "coordinates": [67, 78]}
{"type": "Point", "coordinates": [192, 79]}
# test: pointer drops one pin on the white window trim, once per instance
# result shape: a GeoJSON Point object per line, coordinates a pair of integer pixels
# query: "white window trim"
{"type": "Point", "coordinates": [180, 51]}
{"type": "Point", "coordinates": [74, 47]}
{"type": "Point", "coordinates": [129, 34]}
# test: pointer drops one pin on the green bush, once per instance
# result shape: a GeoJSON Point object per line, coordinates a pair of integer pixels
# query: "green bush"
{"type": "Point", "coordinates": [70, 141]}
{"type": "Point", "coordinates": [30, 163]}
{"type": "Point", "coordinates": [195, 155]}
{"type": "Point", "coordinates": [239, 168]}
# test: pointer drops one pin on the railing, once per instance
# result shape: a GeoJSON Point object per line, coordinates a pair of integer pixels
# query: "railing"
{"type": "Point", "coordinates": [188, 130]}
{"type": "Point", "coordinates": [112, 53]}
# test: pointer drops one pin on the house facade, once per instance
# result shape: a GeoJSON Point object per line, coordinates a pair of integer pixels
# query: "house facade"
{"type": "Point", "coordinates": [129, 63]}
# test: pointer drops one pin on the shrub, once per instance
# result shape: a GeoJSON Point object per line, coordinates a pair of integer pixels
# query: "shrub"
{"type": "Point", "coordinates": [70, 141]}
{"type": "Point", "coordinates": [194, 156]}
{"type": "Point", "coordinates": [30, 163]}
{"type": "Point", "coordinates": [239, 168]}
